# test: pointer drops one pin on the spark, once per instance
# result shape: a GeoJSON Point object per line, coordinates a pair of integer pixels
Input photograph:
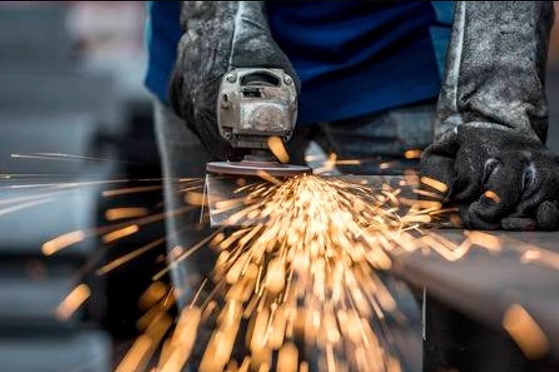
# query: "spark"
{"type": "Point", "coordinates": [154, 313]}
{"type": "Point", "coordinates": [386, 165]}
{"type": "Point", "coordinates": [72, 302]}
{"type": "Point", "coordinates": [532, 254]}
{"type": "Point", "coordinates": [122, 213]}
{"type": "Point", "coordinates": [436, 184]}
{"type": "Point", "coordinates": [425, 204]}
{"type": "Point", "coordinates": [412, 154]}
{"type": "Point", "coordinates": [444, 248]}
{"type": "Point", "coordinates": [191, 187]}
{"type": "Point", "coordinates": [63, 157]}
{"type": "Point", "coordinates": [74, 184]}
{"type": "Point", "coordinates": [153, 294]}
{"type": "Point", "coordinates": [268, 177]}
{"type": "Point", "coordinates": [130, 190]}
{"type": "Point", "coordinates": [195, 198]}
{"type": "Point", "coordinates": [426, 193]}
{"type": "Point", "coordinates": [542, 257]}
{"type": "Point", "coordinates": [276, 146]}
{"type": "Point", "coordinates": [136, 355]}
{"type": "Point", "coordinates": [186, 254]}
{"type": "Point", "coordinates": [288, 358]}
{"type": "Point", "coordinates": [182, 341]}
{"type": "Point", "coordinates": [349, 162]}
{"type": "Point", "coordinates": [306, 261]}
{"type": "Point", "coordinates": [526, 332]}
{"type": "Point", "coordinates": [144, 346]}
{"type": "Point", "coordinates": [198, 292]}
{"type": "Point", "coordinates": [120, 233]}
{"type": "Point", "coordinates": [129, 256]}
{"type": "Point", "coordinates": [485, 240]}
{"type": "Point", "coordinates": [492, 195]}
{"type": "Point", "coordinates": [63, 241]}
{"type": "Point", "coordinates": [66, 240]}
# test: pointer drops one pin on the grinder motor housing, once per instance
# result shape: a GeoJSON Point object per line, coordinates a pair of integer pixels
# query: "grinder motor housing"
{"type": "Point", "coordinates": [255, 104]}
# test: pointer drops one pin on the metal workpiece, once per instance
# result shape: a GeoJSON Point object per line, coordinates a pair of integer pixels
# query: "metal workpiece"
{"type": "Point", "coordinates": [488, 285]}
{"type": "Point", "coordinates": [255, 104]}
{"type": "Point", "coordinates": [507, 281]}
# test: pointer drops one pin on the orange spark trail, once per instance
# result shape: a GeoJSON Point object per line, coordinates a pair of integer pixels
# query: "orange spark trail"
{"type": "Point", "coordinates": [120, 233]}
{"type": "Point", "coordinates": [129, 257]}
{"type": "Point", "coordinates": [122, 213]}
{"type": "Point", "coordinates": [130, 190]}
{"type": "Point", "coordinates": [311, 261]}
{"type": "Point", "coordinates": [66, 240]}
{"type": "Point", "coordinates": [72, 302]}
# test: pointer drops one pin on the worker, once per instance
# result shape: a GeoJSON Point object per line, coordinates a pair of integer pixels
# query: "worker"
{"type": "Point", "coordinates": [354, 84]}
{"type": "Point", "coordinates": [370, 75]}
{"type": "Point", "coordinates": [493, 118]}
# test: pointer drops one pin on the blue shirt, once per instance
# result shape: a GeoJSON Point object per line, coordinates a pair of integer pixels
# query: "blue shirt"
{"type": "Point", "coordinates": [353, 57]}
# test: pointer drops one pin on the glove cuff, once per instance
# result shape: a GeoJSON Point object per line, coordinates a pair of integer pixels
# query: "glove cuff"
{"type": "Point", "coordinates": [244, 26]}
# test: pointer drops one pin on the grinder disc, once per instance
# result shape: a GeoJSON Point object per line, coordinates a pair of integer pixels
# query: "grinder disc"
{"type": "Point", "coordinates": [251, 168]}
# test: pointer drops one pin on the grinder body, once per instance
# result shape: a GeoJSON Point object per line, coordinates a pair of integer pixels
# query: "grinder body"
{"type": "Point", "coordinates": [253, 105]}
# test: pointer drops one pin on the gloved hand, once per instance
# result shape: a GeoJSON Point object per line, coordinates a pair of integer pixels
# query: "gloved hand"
{"type": "Point", "coordinates": [500, 179]}
{"type": "Point", "coordinates": [219, 36]}
{"type": "Point", "coordinates": [493, 115]}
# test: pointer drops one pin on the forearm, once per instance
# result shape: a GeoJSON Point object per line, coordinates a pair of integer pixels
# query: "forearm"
{"type": "Point", "coordinates": [495, 70]}
{"type": "Point", "coordinates": [241, 24]}
{"type": "Point", "coordinates": [218, 38]}
{"type": "Point", "coordinates": [194, 12]}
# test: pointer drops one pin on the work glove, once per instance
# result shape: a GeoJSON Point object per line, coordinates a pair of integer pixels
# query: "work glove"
{"type": "Point", "coordinates": [493, 117]}
{"type": "Point", "coordinates": [219, 36]}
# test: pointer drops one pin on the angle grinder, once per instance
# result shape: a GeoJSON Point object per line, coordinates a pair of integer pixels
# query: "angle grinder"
{"type": "Point", "coordinates": [253, 105]}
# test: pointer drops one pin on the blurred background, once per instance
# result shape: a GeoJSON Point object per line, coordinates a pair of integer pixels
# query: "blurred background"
{"type": "Point", "coordinates": [71, 82]}
{"type": "Point", "coordinates": [73, 115]}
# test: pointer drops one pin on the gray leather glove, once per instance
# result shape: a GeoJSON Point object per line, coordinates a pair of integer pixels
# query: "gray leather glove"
{"type": "Point", "coordinates": [493, 117]}
{"type": "Point", "coordinates": [218, 37]}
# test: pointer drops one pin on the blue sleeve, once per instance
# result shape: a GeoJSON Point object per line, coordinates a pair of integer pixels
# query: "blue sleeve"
{"type": "Point", "coordinates": [440, 32]}
{"type": "Point", "coordinates": [162, 35]}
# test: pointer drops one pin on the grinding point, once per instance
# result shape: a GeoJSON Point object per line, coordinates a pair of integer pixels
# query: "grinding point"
{"type": "Point", "coordinates": [252, 168]}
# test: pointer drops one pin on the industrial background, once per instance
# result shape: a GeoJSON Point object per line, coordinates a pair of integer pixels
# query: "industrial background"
{"type": "Point", "coordinates": [71, 82]}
